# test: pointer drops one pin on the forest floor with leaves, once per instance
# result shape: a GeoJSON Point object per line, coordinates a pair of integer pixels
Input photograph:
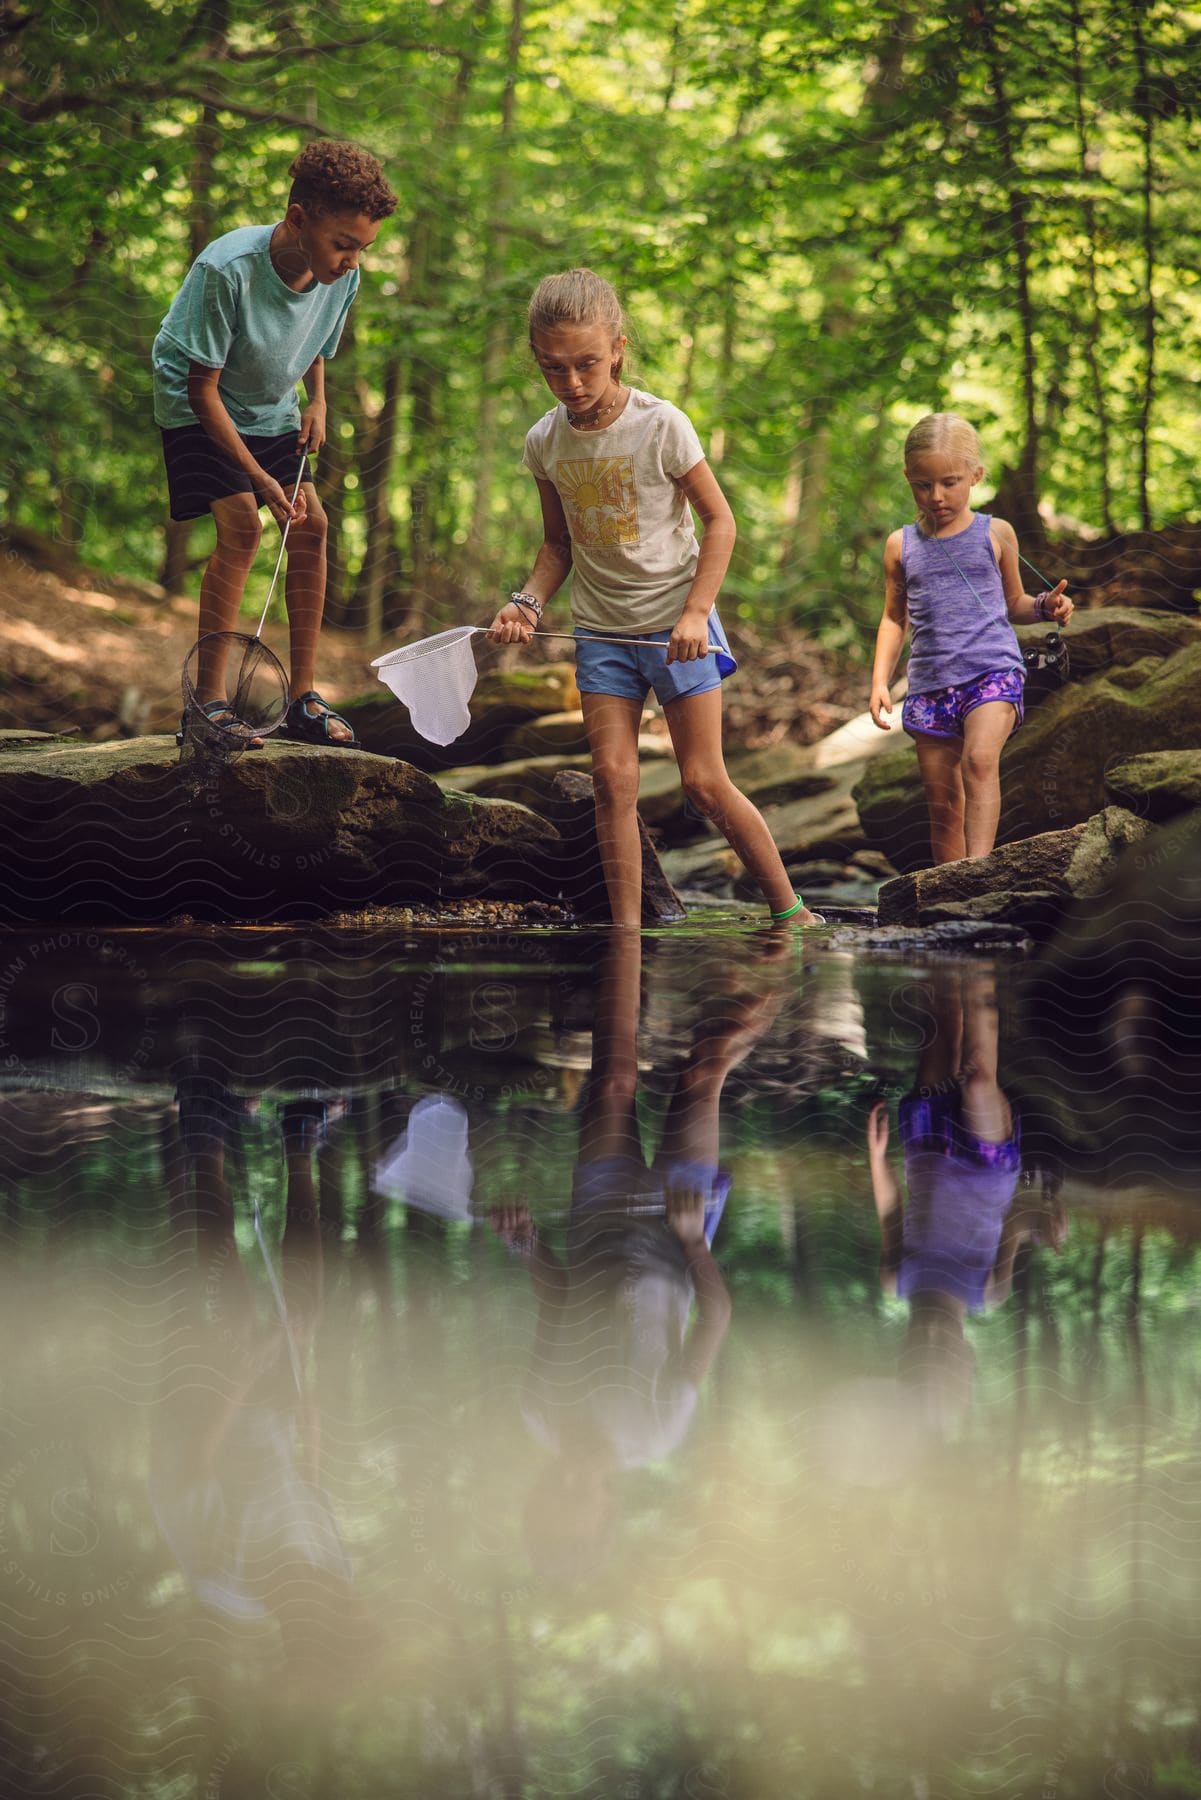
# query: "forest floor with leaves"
{"type": "Point", "coordinates": [94, 653]}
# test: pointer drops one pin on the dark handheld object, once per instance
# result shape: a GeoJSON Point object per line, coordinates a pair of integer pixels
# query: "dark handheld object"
{"type": "Point", "coordinates": [1046, 662]}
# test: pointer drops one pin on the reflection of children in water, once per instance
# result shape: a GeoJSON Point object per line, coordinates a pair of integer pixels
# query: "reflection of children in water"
{"type": "Point", "coordinates": [951, 1250]}
{"type": "Point", "coordinates": [616, 1366]}
{"type": "Point", "coordinates": [234, 1474]}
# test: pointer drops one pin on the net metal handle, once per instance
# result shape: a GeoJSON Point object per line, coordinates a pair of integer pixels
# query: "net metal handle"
{"type": "Point", "coordinates": [412, 652]}
{"type": "Point", "coordinates": [282, 546]}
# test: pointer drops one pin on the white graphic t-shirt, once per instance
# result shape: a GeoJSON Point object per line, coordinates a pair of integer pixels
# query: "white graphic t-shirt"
{"type": "Point", "coordinates": [634, 546]}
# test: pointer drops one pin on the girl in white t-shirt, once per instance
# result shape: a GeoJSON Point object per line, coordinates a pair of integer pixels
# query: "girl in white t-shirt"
{"type": "Point", "coordinates": [617, 472]}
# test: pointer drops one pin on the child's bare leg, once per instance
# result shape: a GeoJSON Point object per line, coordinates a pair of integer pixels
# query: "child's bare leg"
{"type": "Point", "coordinates": [985, 731]}
{"type": "Point", "coordinates": [942, 1047]}
{"type": "Point", "coordinates": [305, 591]}
{"type": "Point", "coordinates": [612, 726]}
{"type": "Point", "coordinates": [694, 722]}
{"type": "Point", "coordinates": [938, 761]}
{"type": "Point", "coordinates": [986, 1111]}
{"type": "Point", "coordinates": [609, 1126]}
{"type": "Point", "coordinates": [727, 1034]}
{"type": "Point", "coordinates": [239, 533]}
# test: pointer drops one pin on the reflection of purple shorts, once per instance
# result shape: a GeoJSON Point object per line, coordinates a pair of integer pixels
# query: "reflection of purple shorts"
{"type": "Point", "coordinates": [935, 1122]}
{"type": "Point", "coordinates": [941, 714]}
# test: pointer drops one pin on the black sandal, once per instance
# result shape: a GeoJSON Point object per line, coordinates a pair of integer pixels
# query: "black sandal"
{"type": "Point", "coordinates": [313, 728]}
{"type": "Point", "coordinates": [212, 710]}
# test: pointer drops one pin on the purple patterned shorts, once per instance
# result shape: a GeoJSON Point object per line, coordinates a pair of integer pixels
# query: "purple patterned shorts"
{"type": "Point", "coordinates": [934, 1121]}
{"type": "Point", "coordinates": [941, 714]}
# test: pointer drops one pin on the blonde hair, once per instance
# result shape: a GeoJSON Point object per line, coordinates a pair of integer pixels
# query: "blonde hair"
{"type": "Point", "coordinates": [577, 297]}
{"type": "Point", "coordinates": [945, 434]}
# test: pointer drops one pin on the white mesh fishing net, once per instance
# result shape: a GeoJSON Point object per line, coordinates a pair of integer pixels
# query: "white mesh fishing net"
{"type": "Point", "coordinates": [435, 678]}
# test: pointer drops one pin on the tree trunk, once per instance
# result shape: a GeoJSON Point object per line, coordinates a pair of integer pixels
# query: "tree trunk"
{"type": "Point", "coordinates": [376, 467]}
{"type": "Point", "coordinates": [333, 466]}
{"type": "Point", "coordinates": [173, 571]}
{"type": "Point", "coordinates": [430, 254]}
{"type": "Point", "coordinates": [1092, 333]}
{"type": "Point", "coordinates": [719, 437]}
{"type": "Point", "coordinates": [212, 26]}
{"type": "Point", "coordinates": [1145, 106]}
{"type": "Point", "coordinates": [1017, 494]}
{"type": "Point", "coordinates": [501, 331]}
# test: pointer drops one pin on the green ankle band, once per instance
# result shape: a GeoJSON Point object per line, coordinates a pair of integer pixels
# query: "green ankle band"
{"type": "Point", "coordinates": [796, 907]}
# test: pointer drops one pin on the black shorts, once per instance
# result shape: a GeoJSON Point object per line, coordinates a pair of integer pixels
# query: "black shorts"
{"type": "Point", "coordinates": [199, 472]}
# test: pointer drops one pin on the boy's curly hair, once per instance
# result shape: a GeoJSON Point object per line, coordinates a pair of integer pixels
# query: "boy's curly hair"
{"type": "Point", "coordinates": [332, 176]}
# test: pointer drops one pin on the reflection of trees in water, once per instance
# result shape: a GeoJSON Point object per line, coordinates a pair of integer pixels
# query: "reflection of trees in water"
{"type": "Point", "coordinates": [1026, 1605]}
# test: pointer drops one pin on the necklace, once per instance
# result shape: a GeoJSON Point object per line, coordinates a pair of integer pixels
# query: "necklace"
{"type": "Point", "coordinates": [581, 421]}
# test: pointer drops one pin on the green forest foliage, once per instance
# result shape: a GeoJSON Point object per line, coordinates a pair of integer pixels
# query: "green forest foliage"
{"type": "Point", "coordinates": [826, 219]}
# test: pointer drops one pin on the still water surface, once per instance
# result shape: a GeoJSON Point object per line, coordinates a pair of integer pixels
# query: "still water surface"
{"type": "Point", "coordinates": [552, 1365]}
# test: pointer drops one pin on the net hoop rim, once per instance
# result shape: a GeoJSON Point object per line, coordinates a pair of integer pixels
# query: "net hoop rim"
{"type": "Point", "coordinates": [245, 643]}
{"type": "Point", "coordinates": [439, 640]}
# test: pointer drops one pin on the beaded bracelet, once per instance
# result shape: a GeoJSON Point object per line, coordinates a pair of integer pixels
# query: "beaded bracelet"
{"type": "Point", "coordinates": [528, 603]}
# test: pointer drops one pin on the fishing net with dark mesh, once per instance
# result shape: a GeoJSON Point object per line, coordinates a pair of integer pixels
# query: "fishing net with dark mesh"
{"type": "Point", "coordinates": [255, 684]}
{"type": "Point", "coordinates": [257, 687]}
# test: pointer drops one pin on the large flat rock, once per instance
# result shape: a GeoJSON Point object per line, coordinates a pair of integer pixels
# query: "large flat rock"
{"type": "Point", "coordinates": [119, 831]}
{"type": "Point", "coordinates": [1030, 883]}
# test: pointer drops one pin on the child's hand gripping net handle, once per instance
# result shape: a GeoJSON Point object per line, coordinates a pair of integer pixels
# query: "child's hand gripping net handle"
{"type": "Point", "coordinates": [442, 640]}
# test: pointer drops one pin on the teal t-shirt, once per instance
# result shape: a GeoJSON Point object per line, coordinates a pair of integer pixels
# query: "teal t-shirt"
{"type": "Point", "coordinates": [234, 313]}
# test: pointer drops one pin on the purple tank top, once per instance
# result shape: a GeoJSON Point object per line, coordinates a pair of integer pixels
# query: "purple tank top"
{"type": "Point", "coordinates": [958, 635]}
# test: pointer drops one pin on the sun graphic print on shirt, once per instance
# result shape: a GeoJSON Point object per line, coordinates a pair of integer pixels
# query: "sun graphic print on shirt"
{"type": "Point", "coordinates": [600, 500]}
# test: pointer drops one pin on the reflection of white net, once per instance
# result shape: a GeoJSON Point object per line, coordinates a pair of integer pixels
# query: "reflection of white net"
{"type": "Point", "coordinates": [435, 678]}
{"type": "Point", "coordinates": [430, 1166]}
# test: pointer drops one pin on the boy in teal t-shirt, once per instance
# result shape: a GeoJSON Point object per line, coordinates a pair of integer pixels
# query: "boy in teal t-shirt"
{"type": "Point", "coordinates": [259, 311]}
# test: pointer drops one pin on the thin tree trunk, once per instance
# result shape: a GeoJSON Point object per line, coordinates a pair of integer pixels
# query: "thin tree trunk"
{"type": "Point", "coordinates": [1092, 334]}
{"type": "Point", "coordinates": [794, 488]}
{"type": "Point", "coordinates": [690, 338]}
{"type": "Point", "coordinates": [430, 246]}
{"type": "Point", "coordinates": [1023, 498]}
{"type": "Point", "coordinates": [173, 570]}
{"type": "Point", "coordinates": [376, 467]}
{"type": "Point", "coordinates": [813, 489]}
{"type": "Point", "coordinates": [719, 440]}
{"type": "Point", "coordinates": [501, 331]}
{"type": "Point", "coordinates": [212, 25]}
{"type": "Point", "coordinates": [800, 537]}
{"type": "Point", "coordinates": [1146, 109]}
{"type": "Point", "coordinates": [333, 466]}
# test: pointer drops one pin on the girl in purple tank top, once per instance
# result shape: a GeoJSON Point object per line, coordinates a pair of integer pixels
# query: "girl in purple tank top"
{"type": "Point", "coordinates": [953, 576]}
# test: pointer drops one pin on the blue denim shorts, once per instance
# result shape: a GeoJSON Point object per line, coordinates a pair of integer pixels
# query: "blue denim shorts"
{"type": "Point", "coordinates": [629, 672]}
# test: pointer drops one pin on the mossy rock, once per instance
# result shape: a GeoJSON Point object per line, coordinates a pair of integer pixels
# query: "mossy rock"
{"type": "Point", "coordinates": [120, 831]}
{"type": "Point", "coordinates": [1158, 786]}
{"type": "Point", "coordinates": [1018, 883]}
